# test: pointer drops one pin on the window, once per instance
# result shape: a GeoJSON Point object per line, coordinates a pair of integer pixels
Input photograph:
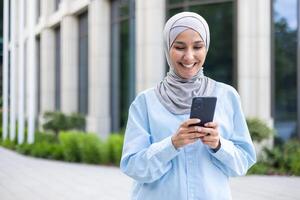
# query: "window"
{"type": "Point", "coordinates": [220, 16]}
{"type": "Point", "coordinates": [83, 64]}
{"type": "Point", "coordinates": [57, 68]}
{"type": "Point", "coordinates": [285, 25]}
{"type": "Point", "coordinates": [56, 6]}
{"type": "Point", "coordinates": [25, 13]}
{"type": "Point", "coordinates": [38, 10]}
{"type": "Point", "coordinates": [122, 61]}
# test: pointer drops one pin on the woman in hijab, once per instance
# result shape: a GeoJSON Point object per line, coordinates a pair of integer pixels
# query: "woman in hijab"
{"type": "Point", "coordinates": [166, 156]}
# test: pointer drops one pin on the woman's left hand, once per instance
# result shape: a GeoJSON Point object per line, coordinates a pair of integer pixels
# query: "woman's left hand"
{"type": "Point", "coordinates": [212, 137]}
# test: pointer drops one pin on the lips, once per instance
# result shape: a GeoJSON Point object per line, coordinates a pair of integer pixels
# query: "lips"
{"type": "Point", "coordinates": [188, 65]}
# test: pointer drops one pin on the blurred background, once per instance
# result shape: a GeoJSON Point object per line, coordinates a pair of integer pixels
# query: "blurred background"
{"type": "Point", "coordinates": [89, 59]}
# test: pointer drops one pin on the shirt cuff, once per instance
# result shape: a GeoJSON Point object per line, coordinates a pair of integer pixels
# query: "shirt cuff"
{"type": "Point", "coordinates": [221, 154]}
{"type": "Point", "coordinates": [164, 150]}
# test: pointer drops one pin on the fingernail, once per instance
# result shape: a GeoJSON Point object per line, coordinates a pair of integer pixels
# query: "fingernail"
{"type": "Point", "coordinates": [198, 120]}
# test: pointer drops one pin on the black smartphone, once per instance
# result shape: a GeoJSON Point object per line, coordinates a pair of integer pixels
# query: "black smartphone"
{"type": "Point", "coordinates": [203, 108]}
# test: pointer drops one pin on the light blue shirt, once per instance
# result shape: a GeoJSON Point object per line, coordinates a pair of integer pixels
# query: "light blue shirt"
{"type": "Point", "coordinates": [193, 172]}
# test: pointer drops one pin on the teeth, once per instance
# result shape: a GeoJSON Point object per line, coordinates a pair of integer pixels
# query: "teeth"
{"type": "Point", "coordinates": [188, 66]}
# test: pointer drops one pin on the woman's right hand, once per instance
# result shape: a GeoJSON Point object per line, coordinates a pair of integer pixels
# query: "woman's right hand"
{"type": "Point", "coordinates": [187, 134]}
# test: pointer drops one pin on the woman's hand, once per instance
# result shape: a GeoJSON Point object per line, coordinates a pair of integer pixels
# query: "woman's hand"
{"type": "Point", "coordinates": [211, 135]}
{"type": "Point", "coordinates": [187, 134]}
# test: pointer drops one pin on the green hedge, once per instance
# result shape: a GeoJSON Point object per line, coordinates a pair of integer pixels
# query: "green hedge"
{"type": "Point", "coordinates": [1, 134]}
{"type": "Point", "coordinates": [115, 143]}
{"type": "Point", "coordinates": [82, 147]}
{"type": "Point", "coordinates": [283, 159]}
{"type": "Point", "coordinates": [259, 130]}
{"type": "Point", "coordinates": [72, 146]}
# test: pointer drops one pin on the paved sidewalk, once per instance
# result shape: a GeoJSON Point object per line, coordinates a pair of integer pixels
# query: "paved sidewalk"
{"type": "Point", "coordinates": [27, 178]}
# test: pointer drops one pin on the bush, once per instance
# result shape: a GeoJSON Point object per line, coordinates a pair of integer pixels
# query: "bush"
{"type": "Point", "coordinates": [7, 143]}
{"type": "Point", "coordinates": [45, 137]}
{"type": "Point", "coordinates": [57, 152]}
{"type": "Point", "coordinates": [41, 150]}
{"type": "Point", "coordinates": [70, 145]}
{"type": "Point", "coordinates": [259, 168]}
{"type": "Point", "coordinates": [24, 148]}
{"type": "Point", "coordinates": [93, 150]}
{"type": "Point", "coordinates": [283, 159]}
{"type": "Point", "coordinates": [55, 121]}
{"type": "Point", "coordinates": [58, 121]}
{"type": "Point", "coordinates": [259, 130]}
{"type": "Point", "coordinates": [115, 143]}
{"type": "Point", "coordinates": [76, 121]}
{"type": "Point", "coordinates": [1, 134]}
{"type": "Point", "coordinates": [81, 147]}
{"type": "Point", "coordinates": [1, 114]}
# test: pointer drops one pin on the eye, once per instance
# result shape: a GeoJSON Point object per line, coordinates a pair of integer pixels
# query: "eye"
{"type": "Point", "coordinates": [179, 48]}
{"type": "Point", "coordinates": [198, 47]}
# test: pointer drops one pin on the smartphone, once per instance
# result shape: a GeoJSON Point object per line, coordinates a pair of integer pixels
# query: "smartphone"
{"type": "Point", "coordinates": [203, 108]}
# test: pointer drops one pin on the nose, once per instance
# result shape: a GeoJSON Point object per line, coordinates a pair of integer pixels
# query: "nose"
{"type": "Point", "coordinates": [188, 55]}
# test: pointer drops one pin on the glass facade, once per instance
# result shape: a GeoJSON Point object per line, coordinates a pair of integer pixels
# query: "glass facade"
{"type": "Point", "coordinates": [285, 33]}
{"type": "Point", "coordinates": [83, 64]}
{"type": "Point", "coordinates": [220, 63]}
{"type": "Point", "coordinates": [122, 61]}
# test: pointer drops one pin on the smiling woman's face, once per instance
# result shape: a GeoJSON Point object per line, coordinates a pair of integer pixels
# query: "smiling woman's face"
{"type": "Point", "coordinates": [188, 53]}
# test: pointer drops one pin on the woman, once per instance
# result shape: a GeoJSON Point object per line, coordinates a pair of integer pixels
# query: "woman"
{"type": "Point", "coordinates": [166, 156]}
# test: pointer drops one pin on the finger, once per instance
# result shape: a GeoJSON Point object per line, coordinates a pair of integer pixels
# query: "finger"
{"type": "Point", "coordinates": [211, 124]}
{"type": "Point", "coordinates": [182, 130]}
{"type": "Point", "coordinates": [210, 137]}
{"type": "Point", "coordinates": [209, 131]}
{"type": "Point", "coordinates": [192, 129]}
{"type": "Point", "coordinates": [196, 135]}
{"type": "Point", "coordinates": [190, 122]}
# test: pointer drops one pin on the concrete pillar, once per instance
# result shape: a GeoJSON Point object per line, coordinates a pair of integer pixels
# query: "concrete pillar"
{"type": "Point", "coordinates": [13, 65]}
{"type": "Point", "coordinates": [31, 71]}
{"type": "Point", "coordinates": [69, 66]}
{"type": "Point", "coordinates": [5, 68]}
{"type": "Point", "coordinates": [150, 59]}
{"type": "Point", "coordinates": [98, 119]}
{"type": "Point", "coordinates": [254, 57]}
{"type": "Point", "coordinates": [21, 77]}
{"type": "Point", "coordinates": [47, 69]}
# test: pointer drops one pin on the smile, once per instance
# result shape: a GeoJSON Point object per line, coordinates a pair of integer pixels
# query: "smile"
{"type": "Point", "coordinates": [188, 66]}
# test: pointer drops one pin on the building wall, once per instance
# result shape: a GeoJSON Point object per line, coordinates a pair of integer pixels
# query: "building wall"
{"type": "Point", "coordinates": [253, 55]}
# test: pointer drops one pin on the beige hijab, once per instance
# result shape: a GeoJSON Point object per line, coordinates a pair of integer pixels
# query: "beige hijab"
{"type": "Point", "coordinates": [175, 92]}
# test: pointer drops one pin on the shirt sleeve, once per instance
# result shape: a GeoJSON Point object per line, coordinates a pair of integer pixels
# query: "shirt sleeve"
{"type": "Point", "coordinates": [142, 160]}
{"type": "Point", "coordinates": [236, 154]}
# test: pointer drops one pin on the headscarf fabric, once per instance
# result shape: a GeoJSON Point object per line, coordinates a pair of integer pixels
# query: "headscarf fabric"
{"type": "Point", "coordinates": [174, 92]}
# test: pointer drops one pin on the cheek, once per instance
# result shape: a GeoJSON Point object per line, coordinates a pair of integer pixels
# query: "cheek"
{"type": "Point", "coordinates": [201, 56]}
{"type": "Point", "coordinates": [174, 55]}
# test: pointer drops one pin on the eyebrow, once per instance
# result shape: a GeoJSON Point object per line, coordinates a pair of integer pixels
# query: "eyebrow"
{"type": "Point", "coordinates": [183, 43]}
